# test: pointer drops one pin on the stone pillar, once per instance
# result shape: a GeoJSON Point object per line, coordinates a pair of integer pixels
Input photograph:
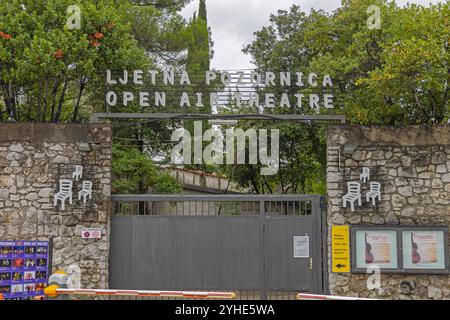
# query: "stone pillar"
{"type": "Point", "coordinates": [412, 163]}
{"type": "Point", "coordinates": [33, 157]}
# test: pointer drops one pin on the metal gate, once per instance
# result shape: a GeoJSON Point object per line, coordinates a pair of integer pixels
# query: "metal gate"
{"type": "Point", "coordinates": [243, 243]}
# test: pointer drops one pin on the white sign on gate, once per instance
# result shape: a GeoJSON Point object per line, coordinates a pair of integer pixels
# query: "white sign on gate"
{"type": "Point", "coordinates": [301, 246]}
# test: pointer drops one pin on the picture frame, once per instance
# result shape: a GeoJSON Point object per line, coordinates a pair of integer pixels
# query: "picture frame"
{"type": "Point", "coordinates": [375, 246]}
{"type": "Point", "coordinates": [425, 250]}
{"type": "Point", "coordinates": [400, 249]}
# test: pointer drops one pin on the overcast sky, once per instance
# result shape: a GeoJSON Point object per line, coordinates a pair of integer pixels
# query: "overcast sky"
{"type": "Point", "coordinates": [233, 22]}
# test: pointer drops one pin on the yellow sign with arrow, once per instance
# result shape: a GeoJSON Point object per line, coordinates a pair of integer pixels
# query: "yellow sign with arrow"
{"type": "Point", "coordinates": [340, 249]}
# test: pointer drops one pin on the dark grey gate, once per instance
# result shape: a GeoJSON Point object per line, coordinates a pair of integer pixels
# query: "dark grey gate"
{"type": "Point", "coordinates": [221, 242]}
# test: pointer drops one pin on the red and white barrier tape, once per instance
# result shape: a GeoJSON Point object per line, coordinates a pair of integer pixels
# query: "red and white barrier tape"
{"type": "Point", "coordinates": [308, 296]}
{"type": "Point", "coordinates": [142, 293]}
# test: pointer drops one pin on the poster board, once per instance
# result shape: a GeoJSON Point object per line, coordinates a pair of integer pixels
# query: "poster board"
{"type": "Point", "coordinates": [375, 247]}
{"type": "Point", "coordinates": [425, 250]}
{"type": "Point", "coordinates": [400, 249]}
{"type": "Point", "coordinates": [23, 269]}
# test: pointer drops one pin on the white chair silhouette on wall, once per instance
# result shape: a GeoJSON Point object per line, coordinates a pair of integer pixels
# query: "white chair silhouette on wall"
{"type": "Point", "coordinates": [86, 191]}
{"type": "Point", "coordinates": [64, 193]}
{"type": "Point", "coordinates": [78, 173]}
{"type": "Point", "coordinates": [374, 192]}
{"type": "Point", "coordinates": [365, 175]}
{"type": "Point", "coordinates": [353, 194]}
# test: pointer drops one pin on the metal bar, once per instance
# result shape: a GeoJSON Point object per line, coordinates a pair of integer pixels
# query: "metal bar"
{"type": "Point", "coordinates": [229, 198]}
{"type": "Point", "coordinates": [316, 212]}
{"type": "Point", "coordinates": [133, 255]}
{"type": "Point", "coordinates": [95, 118]}
{"type": "Point", "coordinates": [324, 232]}
{"type": "Point", "coordinates": [143, 293]}
{"type": "Point", "coordinates": [263, 232]}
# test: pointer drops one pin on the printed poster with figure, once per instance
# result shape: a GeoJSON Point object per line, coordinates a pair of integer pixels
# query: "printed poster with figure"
{"type": "Point", "coordinates": [378, 248]}
{"type": "Point", "coordinates": [424, 247]}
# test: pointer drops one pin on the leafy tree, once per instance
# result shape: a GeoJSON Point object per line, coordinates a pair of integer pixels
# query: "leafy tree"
{"type": "Point", "coordinates": [163, 34]}
{"type": "Point", "coordinates": [202, 11]}
{"type": "Point", "coordinates": [302, 160]}
{"type": "Point", "coordinates": [48, 72]}
{"type": "Point", "coordinates": [412, 83]}
{"type": "Point", "coordinates": [171, 5]}
{"type": "Point", "coordinates": [134, 172]}
{"type": "Point", "coordinates": [199, 48]}
{"type": "Point", "coordinates": [51, 73]}
{"type": "Point", "coordinates": [167, 37]}
{"type": "Point", "coordinates": [398, 74]}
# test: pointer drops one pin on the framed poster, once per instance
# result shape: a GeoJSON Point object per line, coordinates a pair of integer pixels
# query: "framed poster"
{"type": "Point", "coordinates": [23, 269]}
{"type": "Point", "coordinates": [374, 246]}
{"type": "Point", "coordinates": [425, 250]}
{"type": "Point", "coordinates": [405, 249]}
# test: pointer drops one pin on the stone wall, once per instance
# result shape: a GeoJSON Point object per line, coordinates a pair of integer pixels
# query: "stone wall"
{"type": "Point", "coordinates": [413, 165]}
{"type": "Point", "coordinates": [33, 157]}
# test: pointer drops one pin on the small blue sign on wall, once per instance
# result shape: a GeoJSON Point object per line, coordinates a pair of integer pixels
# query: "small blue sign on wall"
{"type": "Point", "coordinates": [23, 269]}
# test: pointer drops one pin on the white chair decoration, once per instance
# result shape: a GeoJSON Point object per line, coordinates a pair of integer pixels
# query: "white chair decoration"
{"type": "Point", "coordinates": [64, 193]}
{"type": "Point", "coordinates": [374, 192]}
{"type": "Point", "coordinates": [86, 191]}
{"type": "Point", "coordinates": [353, 194]}
{"type": "Point", "coordinates": [78, 173]}
{"type": "Point", "coordinates": [365, 175]}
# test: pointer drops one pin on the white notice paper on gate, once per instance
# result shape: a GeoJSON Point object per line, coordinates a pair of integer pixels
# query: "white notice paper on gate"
{"type": "Point", "coordinates": [301, 246]}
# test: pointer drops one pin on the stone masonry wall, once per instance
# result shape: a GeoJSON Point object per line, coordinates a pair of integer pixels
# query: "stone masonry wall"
{"type": "Point", "coordinates": [413, 166]}
{"type": "Point", "coordinates": [33, 157]}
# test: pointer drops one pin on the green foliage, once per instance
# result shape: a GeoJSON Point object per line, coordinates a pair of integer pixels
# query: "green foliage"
{"type": "Point", "coordinates": [398, 74]}
{"type": "Point", "coordinates": [48, 71]}
{"type": "Point", "coordinates": [302, 161]}
{"type": "Point", "coordinates": [199, 47]}
{"type": "Point", "coordinates": [414, 75]}
{"type": "Point", "coordinates": [171, 5]}
{"type": "Point", "coordinates": [202, 11]}
{"type": "Point", "coordinates": [159, 32]}
{"type": "Point", "coordinates": [134, 172]}
{"type": "Point", "coordinates": [163, 183]}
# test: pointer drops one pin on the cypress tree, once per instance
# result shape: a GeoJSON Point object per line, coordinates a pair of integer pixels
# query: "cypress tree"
{"type": "Point", "coordinates": [202, 11]}
{"type": "Point", "coordinates": [199, 50]}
